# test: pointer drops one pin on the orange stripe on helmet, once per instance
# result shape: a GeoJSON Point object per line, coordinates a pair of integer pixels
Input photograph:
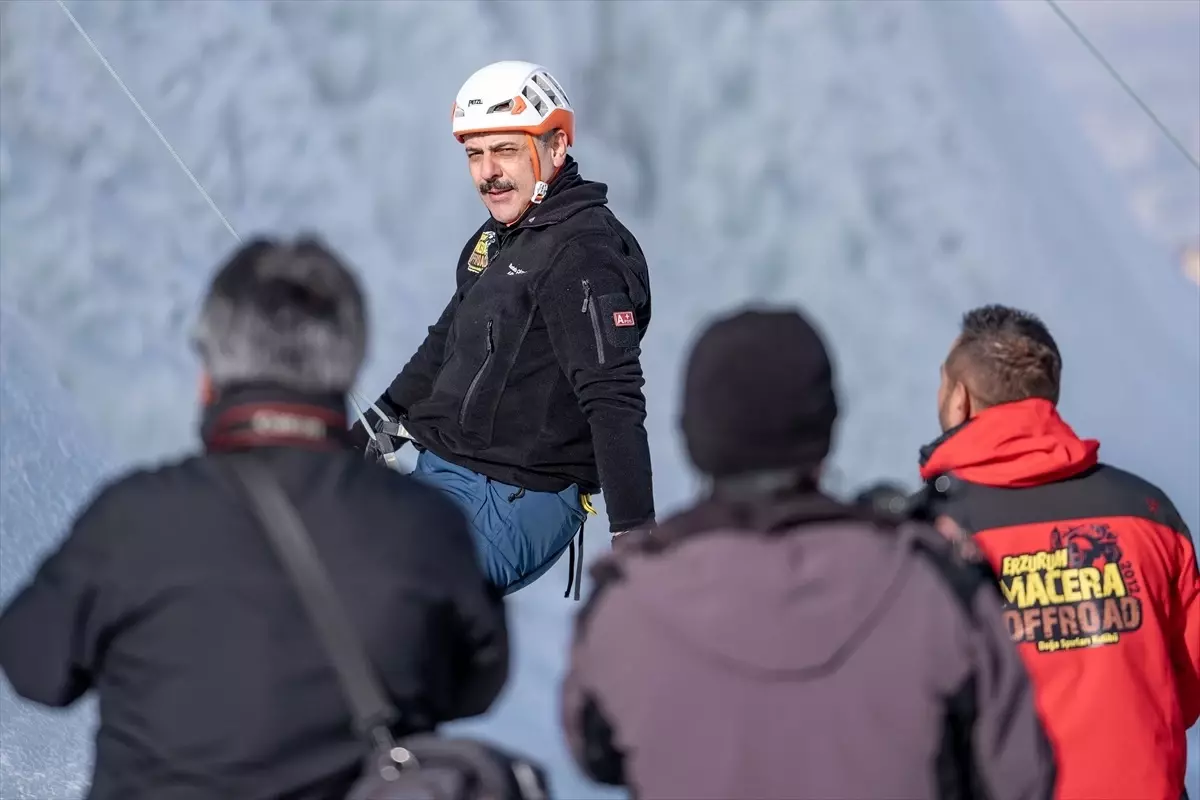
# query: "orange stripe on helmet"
{"type": "Point", "coordinates": [558, 118]}
{"type": "Point", "coordinates": [533, 154]}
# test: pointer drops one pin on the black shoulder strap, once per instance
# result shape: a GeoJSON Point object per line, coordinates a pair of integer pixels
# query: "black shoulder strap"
{"type": "Point", "coordinates": [291, 542]}
{"type": "Point", "coordinates": [965, 575]}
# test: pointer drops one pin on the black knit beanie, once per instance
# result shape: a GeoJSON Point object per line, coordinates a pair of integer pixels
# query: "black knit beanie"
{"type": "Point", "coordinates": [758, 395]}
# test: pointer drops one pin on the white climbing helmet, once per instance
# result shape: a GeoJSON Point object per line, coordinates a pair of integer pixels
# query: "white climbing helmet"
{"type": "Point", "coordinates": [512, 96]}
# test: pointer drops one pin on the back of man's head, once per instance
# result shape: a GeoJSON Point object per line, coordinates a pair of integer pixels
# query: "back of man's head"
{"type": "Point", "coordinates": [758, 395]}
{"type": "Point", "coordinates": [283, 314]}
{"type": "Point", "coordinates": [1004, 355]}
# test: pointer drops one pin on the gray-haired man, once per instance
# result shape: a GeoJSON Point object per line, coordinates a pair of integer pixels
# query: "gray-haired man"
{"type": "Point", "coordinates": [168, 601]}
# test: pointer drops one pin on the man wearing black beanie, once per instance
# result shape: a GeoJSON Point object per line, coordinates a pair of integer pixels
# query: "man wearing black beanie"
{"type": "Point", "coordinates": [772, 642]}
{"type": "Point", "coordinates": [758, 397]}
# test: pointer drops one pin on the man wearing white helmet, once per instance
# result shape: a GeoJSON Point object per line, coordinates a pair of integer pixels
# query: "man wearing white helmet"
{"type": "Point", "coordinates": [526, 395]}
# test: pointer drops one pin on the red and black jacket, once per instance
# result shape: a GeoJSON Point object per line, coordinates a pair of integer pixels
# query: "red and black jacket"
{"type": "Point", "coordinates": [1102, 594]}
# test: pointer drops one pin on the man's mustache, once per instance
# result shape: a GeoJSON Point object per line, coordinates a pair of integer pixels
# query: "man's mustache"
{"type": "Point", "coordinates": [496, 185]}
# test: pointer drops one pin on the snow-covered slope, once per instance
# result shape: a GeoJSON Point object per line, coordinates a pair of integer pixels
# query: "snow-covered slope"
{"type": "Point", "coordinates": [886, 164]}
{"type": "Point", "coordinates": [49, 464]}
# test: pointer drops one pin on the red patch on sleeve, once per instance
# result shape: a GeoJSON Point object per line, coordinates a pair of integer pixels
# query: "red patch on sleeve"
{"type": "Point", "coordinates": [623, 319]}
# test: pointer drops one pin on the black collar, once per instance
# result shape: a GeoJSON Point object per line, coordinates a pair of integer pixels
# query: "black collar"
{"type": "Point", "coordinates": [569, 194]}
{"type": "Point", "coordinates": [927, 451]}
{"type": "Point", "coordinates": [245, 417]}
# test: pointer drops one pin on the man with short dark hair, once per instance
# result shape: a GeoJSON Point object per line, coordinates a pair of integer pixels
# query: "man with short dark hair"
{"type": "Point", "coordinates": [1098, 570]}
{"type": "Point", "coordinates": [167, 598]}
{"type": "Point", "coordinates": [1008, 355]}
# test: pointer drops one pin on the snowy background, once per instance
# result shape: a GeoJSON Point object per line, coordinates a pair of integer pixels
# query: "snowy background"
{"type": "Point", "coordinates": [48, 464]}
{"type": "Point", "coordinates": [885, 164]}
{"type": "Point", "coordinates": [1155, 45]}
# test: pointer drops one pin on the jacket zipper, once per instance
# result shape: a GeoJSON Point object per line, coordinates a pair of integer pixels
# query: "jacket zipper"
{"type": "Point", "coordinates": [589, 308]}
{"type": "Point", "coordinates": [462, 413]}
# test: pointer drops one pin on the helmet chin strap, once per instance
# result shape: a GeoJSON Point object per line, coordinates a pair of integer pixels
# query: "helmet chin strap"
{"type": "Point", "coordinates": [540, 187]}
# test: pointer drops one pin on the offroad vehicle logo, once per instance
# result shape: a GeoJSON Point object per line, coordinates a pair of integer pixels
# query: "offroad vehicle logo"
{"type": "Point", "coordinates": [1079, 593]}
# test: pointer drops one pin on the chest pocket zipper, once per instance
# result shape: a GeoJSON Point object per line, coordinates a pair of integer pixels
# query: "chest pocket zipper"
{"type": "Point", "coordinates": [589, 308]}
{"type": "Point", "coordinates": [466, 403]}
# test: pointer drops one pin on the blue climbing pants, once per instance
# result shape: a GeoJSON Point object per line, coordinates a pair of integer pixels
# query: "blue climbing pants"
{"type": "Point", "coordinates": [518, 534]}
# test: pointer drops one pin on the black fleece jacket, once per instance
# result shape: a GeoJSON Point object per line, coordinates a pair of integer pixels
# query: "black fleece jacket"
{"type": "Point", "coordinates": [532, 374]}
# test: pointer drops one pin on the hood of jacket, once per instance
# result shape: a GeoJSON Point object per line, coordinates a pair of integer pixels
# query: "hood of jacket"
{"type": "Point", "coordinates": [1011, 445]}
{"type": "Point", "coordinates": [775, 588]}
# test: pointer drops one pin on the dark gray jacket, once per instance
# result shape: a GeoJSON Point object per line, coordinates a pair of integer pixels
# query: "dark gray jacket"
{"type": "Point", "coordinates": [793, 649]}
